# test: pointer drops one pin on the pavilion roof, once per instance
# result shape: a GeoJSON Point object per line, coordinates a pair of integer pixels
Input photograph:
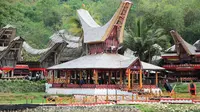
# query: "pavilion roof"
{"type": "Point", "coordinates": [103, 61]}
{"type": "Point", "coordinates": [148, 66]}
{"type": "Point", "coordinates": [97, 61]}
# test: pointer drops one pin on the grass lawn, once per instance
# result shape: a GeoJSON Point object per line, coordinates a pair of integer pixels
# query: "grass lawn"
{"type": "Point", "coordinates": [167, 107]}
{"type": "Point", "coordinates": [181, 90]}
{"type": "Point", "coordinates": [21, 98]}
{"type": "Point", "coordinates": [142, 108]}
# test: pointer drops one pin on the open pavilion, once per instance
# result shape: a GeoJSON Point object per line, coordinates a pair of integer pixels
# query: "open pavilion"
{"type": "Point", "coordinates": [102, 67]}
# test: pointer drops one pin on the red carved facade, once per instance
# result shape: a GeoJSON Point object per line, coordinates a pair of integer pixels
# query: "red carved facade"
{"type": "Point", "coordinates": [110, 45]}
{"type": "Point", "coordinates": [183, 61]}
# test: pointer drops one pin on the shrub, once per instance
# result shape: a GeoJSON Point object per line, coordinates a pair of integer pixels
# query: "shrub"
{"type": "Point", "coordinates": [24, 86]}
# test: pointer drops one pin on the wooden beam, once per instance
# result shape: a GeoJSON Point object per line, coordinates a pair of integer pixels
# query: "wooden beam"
{"type": "Point", "coordinates": [7, 34]}
{"type": "Point", "coordinates": [53, 76]}
{"type": "Point", "coordinates": [96, 76]}
{"type": "Point", "coordinates": [132, 80]}
{"type": "Point", "coordinates": [87, 76]}
{"type": "Point", "coordinates": [76, 73]}
{"type": "Point", "coordinates": [19, 52]}
{"type": "Point", "coordinates": [129, 78]}
{"type": "Point", "coordinates": [7, 30]}
{"type": "Point", "coordinates": [109, 77]}
{"type": "Point", "coordinates": [140, 79]}
{"type": "Point", "coordinates": [115, 77]}
{"type": "Point", "coordinates": [18, 42]}
{"type": "Point", "coordinates": [12, 73]}
{"type": "Point", "coordinates": [5, 40]}
{"type": "Point", "coordinates": [67, 75]}
{"type": "Point", "coordinates": [121, 77]}
{"type": "Point", "coordinates": [14, 49]}
{"type": "Point", "coordinates": [156, 78]}
{"type": "Point", "coordinates": [80, 75]}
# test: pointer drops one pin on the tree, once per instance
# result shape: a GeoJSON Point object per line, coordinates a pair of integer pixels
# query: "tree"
{"type": "Point", "coordinates": [75, 26]}
{"type": "Point", "coordinates": [146, 41]}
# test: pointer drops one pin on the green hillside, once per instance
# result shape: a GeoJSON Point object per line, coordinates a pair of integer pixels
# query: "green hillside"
{"type": "Point", "coordinates": [37, 20]}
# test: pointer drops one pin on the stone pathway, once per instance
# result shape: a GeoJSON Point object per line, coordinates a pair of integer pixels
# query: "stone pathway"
{"type": "Point", "coordinates": [114, 108]}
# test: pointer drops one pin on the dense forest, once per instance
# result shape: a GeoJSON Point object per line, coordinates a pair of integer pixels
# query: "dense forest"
{"type": "Point", "coordinates": [148, 23]}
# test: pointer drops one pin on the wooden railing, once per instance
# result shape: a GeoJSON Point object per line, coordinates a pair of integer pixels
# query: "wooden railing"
{"type": "Point", "coordinates": [89, 99]}
{"type": "Point", "coordinates": [103, 86]}
{"type": "Point", "coordinates": [13, 78]}
{"type": "Point", "coordinates": [183, 65]}
{"type": "Point", "coordinates": [56, 80]}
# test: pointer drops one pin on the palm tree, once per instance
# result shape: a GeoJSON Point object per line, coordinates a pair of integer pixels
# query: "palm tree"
{"type": "Point", "coordinates": [146, 41]}
{"type": "Point", "coordinates": [75, 26]}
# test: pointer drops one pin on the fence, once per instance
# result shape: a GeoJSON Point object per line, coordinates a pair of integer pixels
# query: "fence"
{"type": "Point", "coordinates": [85, 99]}
{"type": "Point", "coordinates": [88, 99]}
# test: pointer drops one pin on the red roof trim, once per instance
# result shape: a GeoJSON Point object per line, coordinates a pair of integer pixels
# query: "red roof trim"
{"type": "Point", "coordinates": [37, 69]}
{"type": "Point", "coordinates": [21, 67]}
{"type": "Point", "coordinates": [6, 68]}
{"type": "Point", "coordinates": [171, 57]}
{"type": "Point", "coordinates": [185, 69]}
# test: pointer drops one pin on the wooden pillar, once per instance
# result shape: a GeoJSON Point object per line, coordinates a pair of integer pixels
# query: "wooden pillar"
{"type": "Point", "coordinates": [132, 80]}
{"type": "Point", "coordinates": [116, 77]}
{"type": "Point", "coordinates": [104, 79]}
{"type": "Point", "coordinates": [121, 77]}
{"type": "Point", "coordinates": [3, 73]}
{"type": "Point", "coordinates": [129, 78]}
{"type": "Point", "coordinates": [70, 77]}
{"type": "Point", "coordinates": [76, 77]}
{"type": "Point", "coordinates": [67, 77]}
{"type": "Point", "coordinates": [140, 78]}
{"type": "Point", "coordinates": [87, 77]}
{"type": "Point", "coordinates": [90, 77]}
{"type": "Point", "coordinates": [96, 76]}
{"type": "Point", "coordinates": [53, 76]}
{"type": "Point", "coordinates": [156, 78]}
{"type": "Point", "coordinates": [109, 77]}
{"type": "Point", "coordinates": [12, 73]}
{"type": "Point", "coordinates": [80, 75]}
